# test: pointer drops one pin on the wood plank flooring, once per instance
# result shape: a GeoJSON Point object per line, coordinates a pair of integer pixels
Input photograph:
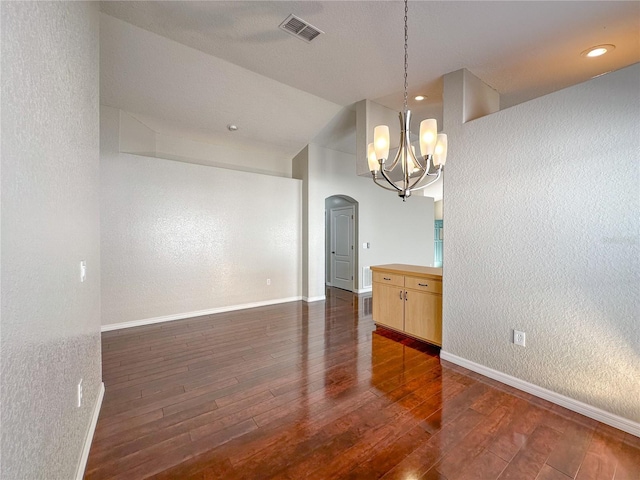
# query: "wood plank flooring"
{"type": "Point", "coordinates": [313, 391]}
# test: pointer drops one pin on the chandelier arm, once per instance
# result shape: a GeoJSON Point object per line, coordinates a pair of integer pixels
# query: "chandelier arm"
{"type": "Point", "coordinates": [408, 153]}
{"type": "Point", "coordinates": [386, 177]}
{"type": "Point", "coordinates": [399, 152]}
{"type": "Point", "coordinates": [406, 174]}
{"type": "Point", "coordinates": [395, 189]}
{"type": "Point", "coordinates": [418, 163]}
{"type": "Point", "coordinates": [421, 187]}
{"type": "Point", "coordinates": [427, 184]}
{"type": "Point", "coordinates": [425, 173]}
{"type": "Point", "coordinates": [422, 169]}
{"type": "Point", "coordinates": [395, 161]}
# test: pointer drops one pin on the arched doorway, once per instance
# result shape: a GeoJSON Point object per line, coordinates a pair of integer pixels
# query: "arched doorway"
{"type": "Point", "coordinates": [341, 230]}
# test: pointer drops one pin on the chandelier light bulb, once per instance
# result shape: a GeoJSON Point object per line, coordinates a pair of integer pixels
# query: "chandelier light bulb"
{"type": "Point", "coordinates": [428, 134]}
{"type": "Point", "coordinates": [374, 166]}
{"type": "Point", "coordinates": [381, 141]}
{"type": "Point", "coordinates": [440, 152]}
{"type": "Point", "coordinates": [411, 163]}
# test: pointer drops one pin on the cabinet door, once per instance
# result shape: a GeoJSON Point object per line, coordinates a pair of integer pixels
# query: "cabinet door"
{"type": "Point", "coordinates": [423, 316]}
{"type": "Point", "coordinates": [388, 305]}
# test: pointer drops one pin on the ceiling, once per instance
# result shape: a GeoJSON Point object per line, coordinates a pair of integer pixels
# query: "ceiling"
{"type": "Point", "coordinates": [522, 49]}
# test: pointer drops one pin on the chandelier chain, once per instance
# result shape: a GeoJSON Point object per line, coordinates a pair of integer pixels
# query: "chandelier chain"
{"type": "Point", "coordinates": [406, 52]}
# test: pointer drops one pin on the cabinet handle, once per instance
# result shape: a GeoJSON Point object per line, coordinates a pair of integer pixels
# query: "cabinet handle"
{"type": "Point", "coordinates": [385, 278]}
{"type": "Point", "coordinates": [423, 284]}
{"type": "Point", "coordinates": [406, 296]}
{"type": "Point", "coordinates": [400, 294]}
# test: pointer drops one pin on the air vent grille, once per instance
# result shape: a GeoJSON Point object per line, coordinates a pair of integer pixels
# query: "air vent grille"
{"type": "Point", "coordinates": [366, 277]}
{"type": "Point", "coordinates": [300, 29]}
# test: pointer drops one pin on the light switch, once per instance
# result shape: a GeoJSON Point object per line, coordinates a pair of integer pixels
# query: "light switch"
{"type": "Point", "coordinates": [83, 270]}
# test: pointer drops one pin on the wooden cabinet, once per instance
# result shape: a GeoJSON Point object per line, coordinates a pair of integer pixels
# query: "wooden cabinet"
{"type": "Point", "coordinates": [408, 298]}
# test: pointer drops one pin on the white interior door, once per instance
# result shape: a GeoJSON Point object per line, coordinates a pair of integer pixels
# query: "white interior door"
{"type": "Point", "coordinates": [342, 247]}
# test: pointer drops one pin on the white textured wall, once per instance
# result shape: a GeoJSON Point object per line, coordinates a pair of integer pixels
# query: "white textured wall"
{"type": "Point", "coordinates": [135, 136]}
{"type": "Point", "coordinates": [479, 99]}
{"type": "Point", "coordinates": [438, 210]}
{"type": "Point", "coordinates": [300, 170]}
{"type": "Point", "coordinates": [182, 92]}
{"type": "Point", "coordinates": [543, 224]}
{"type": "Point", "coordinates": [249, 159]}
{"type": "Point", "coordinates": [179, 238]}
{"type": "Point", "coordinates": [399, 232]}
{"type": "Point", "coordinates": [50, 334]}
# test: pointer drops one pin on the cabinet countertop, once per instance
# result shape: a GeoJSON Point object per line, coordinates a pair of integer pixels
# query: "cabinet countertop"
{"type": "Point", "coordinates": [402, 269]}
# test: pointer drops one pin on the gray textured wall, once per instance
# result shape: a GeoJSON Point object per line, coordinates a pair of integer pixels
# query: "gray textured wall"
{"type": "Point", "coordinates": [50, 222]}
{"type": "Point", "coordinates": [542, 203]}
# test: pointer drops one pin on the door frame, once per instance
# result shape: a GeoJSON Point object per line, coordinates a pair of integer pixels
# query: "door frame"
{"type": "Point", "coordinates": [335, 202]}
{"type": "Point", "coordinates": [333, 244]}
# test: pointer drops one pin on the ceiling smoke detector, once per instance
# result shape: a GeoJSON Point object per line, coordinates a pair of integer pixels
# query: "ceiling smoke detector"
{"type": "Point", "coordinates": [300, 29]}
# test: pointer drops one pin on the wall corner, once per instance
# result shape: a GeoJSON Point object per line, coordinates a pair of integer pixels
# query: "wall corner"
{"type": "Point", "coordinates": [465, 98]}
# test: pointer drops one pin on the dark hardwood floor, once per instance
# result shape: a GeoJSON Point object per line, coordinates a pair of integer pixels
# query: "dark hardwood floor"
{"type": "Point", "coordinates": [301, 390]}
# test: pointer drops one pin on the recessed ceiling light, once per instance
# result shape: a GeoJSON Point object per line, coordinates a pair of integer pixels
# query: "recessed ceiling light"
{"type": "Point", "coordinates": [232, 127]}
{"type": "Point", "coordinates": [419, 97]}
{"type": "Point", "coordinates": [597, 50]}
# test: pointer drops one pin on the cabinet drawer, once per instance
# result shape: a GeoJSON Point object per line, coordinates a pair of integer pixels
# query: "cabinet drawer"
{"type": "Point", "coordinates": [389, 278]}
{"type": "Point", "coordinates": [424, 284]}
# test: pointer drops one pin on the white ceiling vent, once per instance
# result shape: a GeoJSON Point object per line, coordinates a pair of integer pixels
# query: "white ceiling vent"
{"type": "Point", "coordinates": [300, 29]}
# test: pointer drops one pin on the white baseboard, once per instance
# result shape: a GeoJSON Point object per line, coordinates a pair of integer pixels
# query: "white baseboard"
{"type": "Point", "coordinates": [198, 313]}
{"type": "Point", "coordinates": [363, 290]}
{"type": "Point", "coordinates": [313, 299]}
{"type": "Point", "coordinates": [89, 438]}
{"type": "Point", "coordinates": [590, 411]}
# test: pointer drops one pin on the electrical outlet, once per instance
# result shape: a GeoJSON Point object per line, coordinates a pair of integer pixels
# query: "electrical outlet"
{"type": "Point", "coordinates": [519, 338]}
{"type": "Point", "coordinates": [79, 403]}
{"type": "Point", "coordinates": [268, 281]}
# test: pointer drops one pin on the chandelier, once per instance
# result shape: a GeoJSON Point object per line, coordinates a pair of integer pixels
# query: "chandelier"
{"type": "Point", "coordinates": [414, 169]}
